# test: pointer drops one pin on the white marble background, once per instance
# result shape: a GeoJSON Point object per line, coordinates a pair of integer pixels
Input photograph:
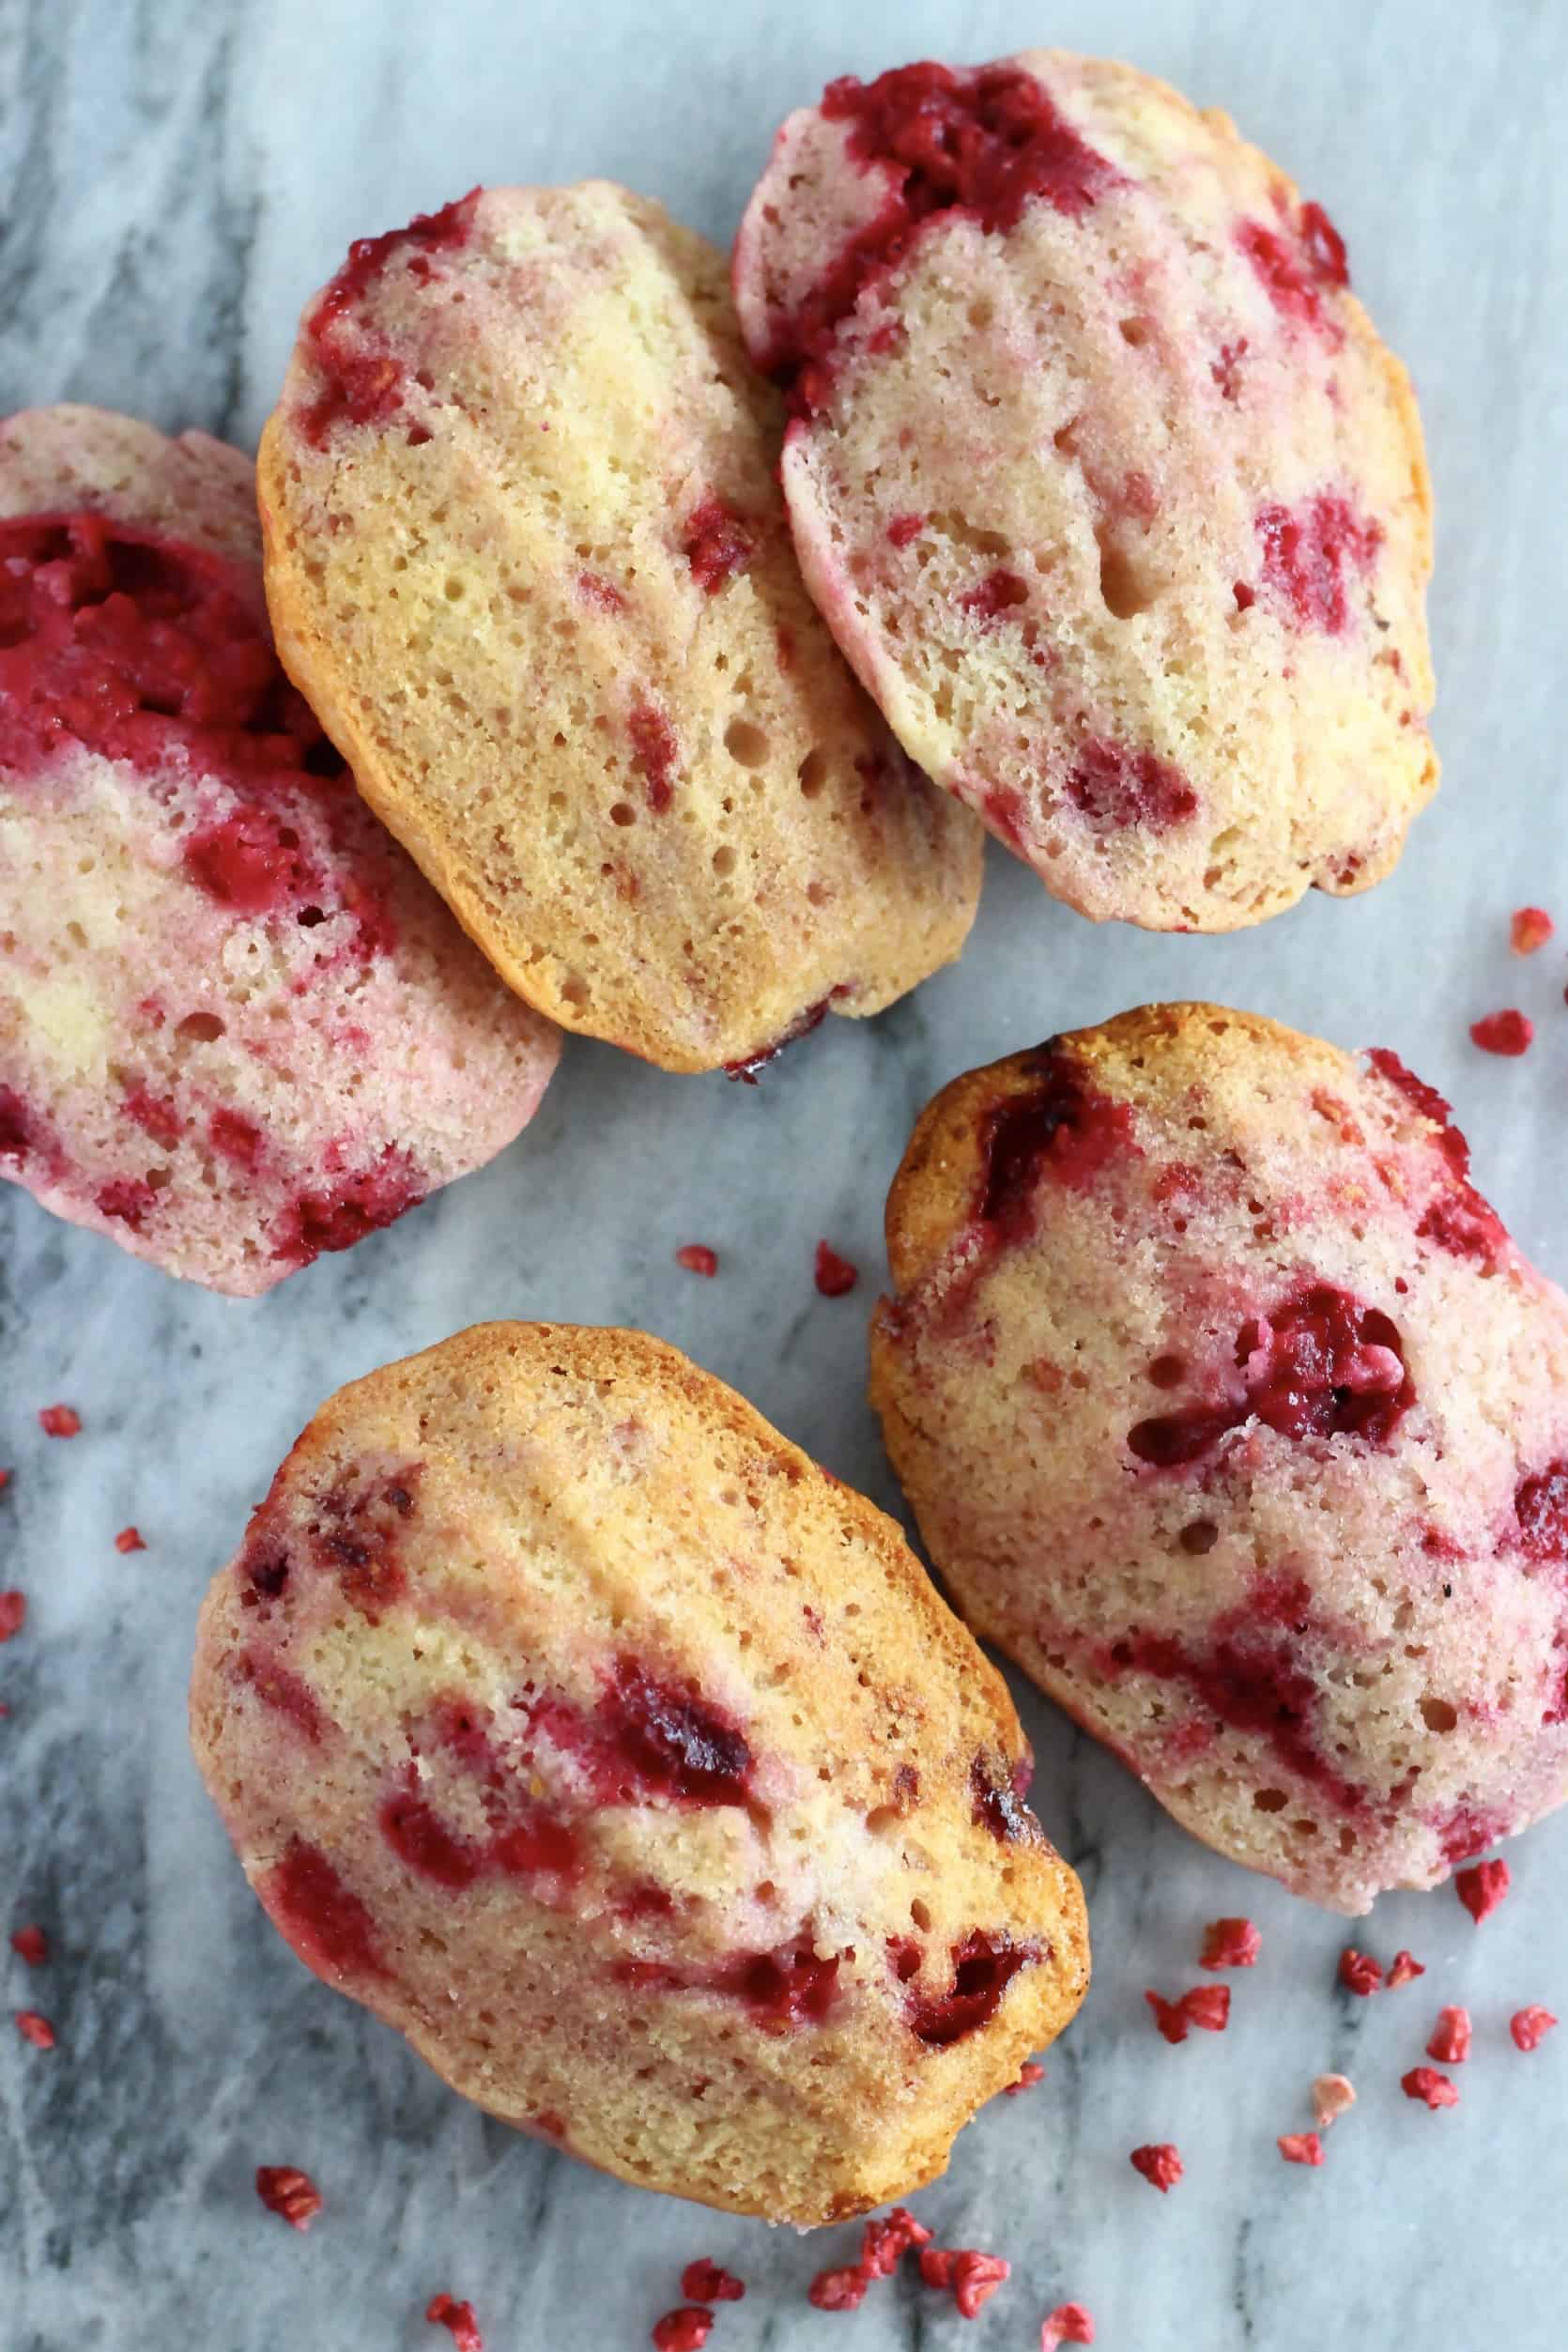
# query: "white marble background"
{"type": "Point", "coordinates": [174, 177]}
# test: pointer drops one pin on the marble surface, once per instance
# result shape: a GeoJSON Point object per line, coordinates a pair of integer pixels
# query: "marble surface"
{"type": "Point", "coordinates": [174, 176]}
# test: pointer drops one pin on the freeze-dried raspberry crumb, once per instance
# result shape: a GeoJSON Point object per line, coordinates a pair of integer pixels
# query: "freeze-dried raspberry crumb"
{"type": "Point", "coordinates": [1170, 2017]}
{"type": "Point", "coordinates": [1207, 2006]}
{"type": "Point", "coordinates": [130, 1540]}
{"type": "Point", "coordinates": [1333, 2096]}
{"type": "Point", "coordinates": [1300, 2148]}
{"type": "Point", "coordinates": [1531, 929]}
{"type": "Point", "coordinates": [36, 2029]}
{"type": "Point", "coordinates": [1507, 1033]}
{"type": "Point", "coordinates": [444, 2311]}
{"type": "Point", "coordinates": [838, 2290]}
{"type": "Point", "coordinates": [14, 1612]}
{"type": "Point", "coordinates": [704, 2282]}
{"type": "Point", "coordinates": [1403, 1970]}
{"type": "Point", "coordinates": [1482, 1888]}
{"type": "Point", "coordinates": [683, 2330]}
{"type": "Point", "coordinates": [1230, 1944]}
{"type": "Point", "coordinates": [972, 2278]}
{"type": "Point", "coordinates": [1530, 2027]}
{"type": "Point", "coordinates": [1451, 2037]}
{"type": "Point", "coordinates": [32, 1945]}
{"type": "Point", "coordinates": [1029, 2074]}
{"type": "Point", "coordinates": [59, 1421]}
{"type": "Point", "coordinates": [1070, 2323]}
{"type": "Point", "coordinates": [1159, 2165]}
{"type": "Point", "coordinates": [834, 1275]}
{"type": "Point", "coordinates": [1360, 1971]}
{"type": "Point", "coordinates": [698, 1258]}
{"type": "Point", "coordinates": [1425, 2082]}
{"type": "Point", "coordinates": [5, 1480]}
{"type": "Point", "coordinates": [284, 2189]}
{"type": "Point", "coordinates": [883, 2243]}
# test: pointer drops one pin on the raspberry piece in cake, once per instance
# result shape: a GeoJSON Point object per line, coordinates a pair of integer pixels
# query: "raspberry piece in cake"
{"type": "Point", "coordinates": [1165, 425]}
{"type": "Point", "coordinates": [245, 1030]}
{"type": "Point", "coordinates": [550, 1683]}
{"type": "Point", "coordinates": [1228, 1408]}
{"type": "Point", "coordinates": [598, 587]}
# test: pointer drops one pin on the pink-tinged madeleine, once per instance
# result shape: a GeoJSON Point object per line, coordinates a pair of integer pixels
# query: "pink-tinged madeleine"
{"type": "Point", "coordinates": [237, 1026]}
{"type": "Point", "coordinates": [581, 1728]}
{"type": "Point", "coordinates": [1228, 1408]}
{"type": "Point", "coordinates": [1090, 438]}
{"type": "Point", "coordinates": [563, 638]}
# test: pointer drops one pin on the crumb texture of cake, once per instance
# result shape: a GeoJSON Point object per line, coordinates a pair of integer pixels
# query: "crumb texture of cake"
{"type": "Point", "coordinates": [1230, 1411]}
{"type": "Point", "coordinates": [528, 556]}
{"type": "Point", "coordinates": [236, 1025]}
{"type": "Point", "coordinates": [1102, 479]}
{"type": "Point", "coordinates": [574, 1721]}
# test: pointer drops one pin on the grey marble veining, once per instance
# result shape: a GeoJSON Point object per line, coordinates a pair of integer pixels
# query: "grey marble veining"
{"type": "Point", "coordinates": [174, 179]}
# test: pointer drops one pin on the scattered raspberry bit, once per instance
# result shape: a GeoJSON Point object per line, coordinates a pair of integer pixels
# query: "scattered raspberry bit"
{"type": "Point", "coordinates": [838, 2290]}
{"type": "Point", "coordinates": [1070, 2323]}
{"type": "Point", "coordinates": [1169, 2016]}
{"type": "Point", "coordinates": [1403, 1970]}
{"type": "Point", "coordinates": [60, 1421]}
{"type": "Point", "coordinates": [5, 1480]}
{"type": "Point", "coordinates": [1360, 1971]}
{"type": "Point", "coordinates": [1206, 2006]}
{"type": "Point", "coordinates": [683, 2330]}
{"type": "Point", "coordinates": [1531, 929]}
{"type": "Point", "coordinates": [1160, 2163]}
{"type": "Point", "coordinates": [698, 1258]}
{"type": "Point", "coordinates": [883, 2243]}
{"type": "Point", "coordinates": [1426, 2084]}
{"type": "Point", "coordinates": [1506, 1032]}
{"type": "Point", "coordinates": [284, 2189]}
{"type": "Point", "coordinates": [14, 1611]}
{"type": "Point", "coordinates": [1333, 2096]}
{"type": "Point", "coordinates": [703, 2282]}
{"type": "Point", "coordinates": [1230, 1944]}
{"type": "Point", "coordinates": [1482, 1888]}
{"type": "Point", "coordinates": [972, 2278]}
{"type": "Point", "coordinates": [1300, 2148]}
{"type": "Point", "coordinates": [1530, 2027]}
{"type": "Point", "coordinates": [1028, 2075]}
{"type": "Point", "coordinates": [36, 2029]}
{"type": "Point", "coordinates": [1451, 2037]}
{"type": "Point", "coordinates": [32, 1945]}
{"type": "Point", "coordinates": [130, 1540]}
{"type": "Point", "coordinates": [834, 1275]}
{"type": "Point", "coordinates": [444, 2311]}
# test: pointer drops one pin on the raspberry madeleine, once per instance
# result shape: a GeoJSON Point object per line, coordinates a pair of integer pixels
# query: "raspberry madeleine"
{"type": "Point", "coordinates": [1229, 1411]}
{"type": "Point", "coordinates": [236, 1025]}
{"type": "Point", "coordinates": [1102, 480]}
{"type": "Point", "coordinates": [581, 1727]}
{"type": "Point", "coordinates": [528, 558]}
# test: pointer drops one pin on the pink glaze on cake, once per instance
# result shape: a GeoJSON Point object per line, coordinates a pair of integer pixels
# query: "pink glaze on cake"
{"type": "Point", "coordinates": [242, 1030]}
